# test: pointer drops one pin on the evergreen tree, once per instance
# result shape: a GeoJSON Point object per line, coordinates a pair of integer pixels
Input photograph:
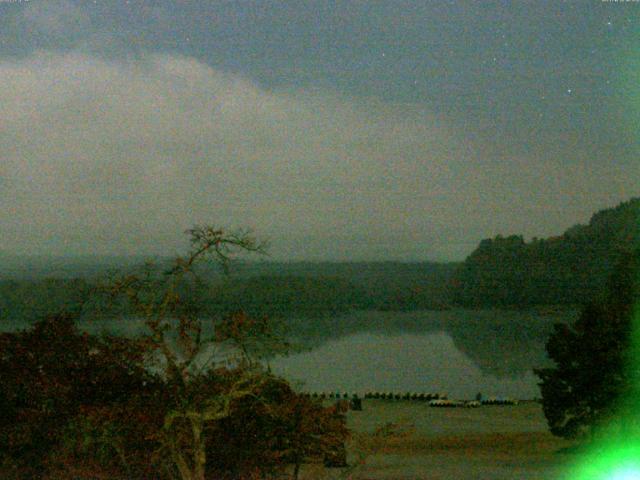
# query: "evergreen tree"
{"type": "Point", "coordinates": [595, 358]}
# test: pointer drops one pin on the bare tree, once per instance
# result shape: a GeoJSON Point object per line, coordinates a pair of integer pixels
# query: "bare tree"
{"type": "Point", "coordinates": [176, 336]}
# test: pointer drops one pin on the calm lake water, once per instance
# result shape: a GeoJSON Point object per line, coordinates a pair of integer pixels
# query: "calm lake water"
{"type": "Point", "coordinates": [398, 363]}
{"type": "Point", "coordinates": [458, 352]}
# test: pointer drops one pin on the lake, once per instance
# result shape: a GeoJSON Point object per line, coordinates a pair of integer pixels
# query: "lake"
{"type": "Point", "coordinates": [398, 363]}
{"type": "Point", "coordinates": [458, 352]}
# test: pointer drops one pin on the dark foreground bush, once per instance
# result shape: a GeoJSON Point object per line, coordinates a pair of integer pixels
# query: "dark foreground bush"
{"type": "Point", "coordinates": [47, 375]}
{"type": "Point", "coordinates": [77, 406]}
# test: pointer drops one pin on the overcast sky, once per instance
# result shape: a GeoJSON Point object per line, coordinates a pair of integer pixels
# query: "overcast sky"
{"type": "Point", "coordinates": [404, 130]}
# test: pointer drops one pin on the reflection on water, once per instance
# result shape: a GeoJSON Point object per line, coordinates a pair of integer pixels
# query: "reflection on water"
{"type": "Point", "coordinates": [400, 363]}
{"type": "Point", "coordinates": [502, 343]}
{"type": "Point", "coordinates": [459, 352]}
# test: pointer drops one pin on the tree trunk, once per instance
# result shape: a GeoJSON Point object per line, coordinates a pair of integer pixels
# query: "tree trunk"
{"type": "Point", "coordinates": [181, 463]}
{"type": "Point", "coordinates": [199, 449]}
{"type": "Point", "coordinates": [296, 469]}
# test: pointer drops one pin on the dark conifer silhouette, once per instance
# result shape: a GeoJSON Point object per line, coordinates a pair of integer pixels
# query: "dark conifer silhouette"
{"type": "Point", "coordinates": [595, 359]}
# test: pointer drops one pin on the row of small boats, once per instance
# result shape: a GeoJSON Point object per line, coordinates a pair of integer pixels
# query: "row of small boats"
{"type": "Point", "coordinates": [434, 399]}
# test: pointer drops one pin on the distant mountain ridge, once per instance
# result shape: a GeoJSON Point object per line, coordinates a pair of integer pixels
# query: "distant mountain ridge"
{"type": "Point", "coordinates": [30, 290]}
{"type": "Point", "coordinates": [569, 269]}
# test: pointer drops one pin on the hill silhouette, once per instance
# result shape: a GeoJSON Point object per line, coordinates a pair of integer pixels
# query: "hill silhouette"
{"type": "Point", "coordinates": [566, 270]}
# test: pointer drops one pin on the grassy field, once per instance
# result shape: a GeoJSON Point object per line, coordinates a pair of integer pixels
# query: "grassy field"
{"type": "Point", "coordinates": [409, 440]}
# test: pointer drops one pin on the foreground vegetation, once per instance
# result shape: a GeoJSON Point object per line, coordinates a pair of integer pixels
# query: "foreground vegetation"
{"type": "Point", "coordinates": [187, 400]}
{"type": "Point", "coordinates": [594, 383]}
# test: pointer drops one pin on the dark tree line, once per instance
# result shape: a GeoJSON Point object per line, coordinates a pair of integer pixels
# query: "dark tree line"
{"type": "Point", "coordinates": [313, 293]}
{"type": "Point", "coordinates": [568, 270]}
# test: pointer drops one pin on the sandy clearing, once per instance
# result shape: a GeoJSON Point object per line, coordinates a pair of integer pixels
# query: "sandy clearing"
{"type": "Point", "coordinates": [422, 442]}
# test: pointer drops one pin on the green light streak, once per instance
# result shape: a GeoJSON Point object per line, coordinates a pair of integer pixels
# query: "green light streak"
{"type": "Point", "coordinates": [615, 455]}
{"type": "Point", "coordinates": [626, 473]}
{"type": "Point", "coordinates": [612, 462]}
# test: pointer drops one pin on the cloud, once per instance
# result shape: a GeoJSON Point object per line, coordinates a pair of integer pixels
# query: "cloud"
{"type": "Point", "coordinates": [121, 156]}
{"type": "Point", "coordinates": [115, 156]}
{"type": "Point", "coordinates": [55, 19]}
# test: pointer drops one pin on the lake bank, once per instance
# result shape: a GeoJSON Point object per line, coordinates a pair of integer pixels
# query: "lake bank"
{"type": "Point", "coordinates": [422, 442]}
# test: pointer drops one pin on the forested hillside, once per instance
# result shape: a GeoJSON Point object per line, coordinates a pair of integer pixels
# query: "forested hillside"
{"type": "Point", "coordinates": [266, 288]}
{"type": "Point", "coordinates": [569, 269]}
{"type": "Point", "coordinates": [501, 272]}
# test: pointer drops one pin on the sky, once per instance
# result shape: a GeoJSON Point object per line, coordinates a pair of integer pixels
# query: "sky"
{"type": "Point", "coordinates": [336, 130]}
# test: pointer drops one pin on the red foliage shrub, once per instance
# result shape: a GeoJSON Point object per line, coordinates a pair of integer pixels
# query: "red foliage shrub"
{"type": "Point", "coordinates": [47, 375]}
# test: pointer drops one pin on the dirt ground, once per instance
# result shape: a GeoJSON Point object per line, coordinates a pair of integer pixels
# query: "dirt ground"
{"type": "Point", "coordinates": [404, 440]}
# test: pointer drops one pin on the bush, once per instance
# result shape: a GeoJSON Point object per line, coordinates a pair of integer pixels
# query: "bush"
{"type": "Point", "coordinates": [47, 375]}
